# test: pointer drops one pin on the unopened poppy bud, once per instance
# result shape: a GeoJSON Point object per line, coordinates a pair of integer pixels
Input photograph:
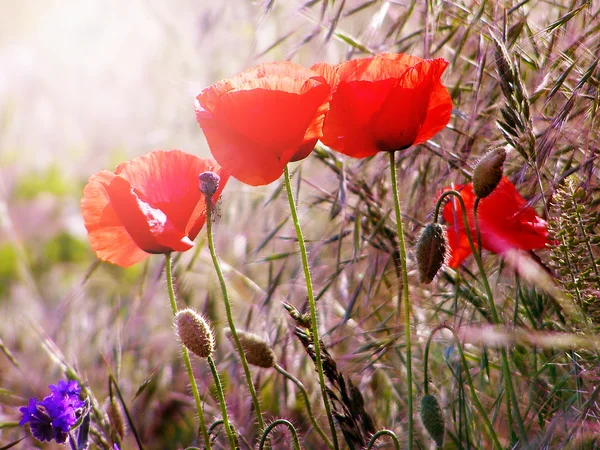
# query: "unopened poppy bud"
{"type": "Point", "coordinates": [114, 411]}
{"type": "Point", "coordinates": [432, 250]}
{"type": "Point", "coordinates": [488, 172]}
{"type": "Point", "coordinates": [257, 351]}
{"type": "Point", "coordinates": [195, 333]}
{"type": "Point", "coordinates": [433, 418]}
{"type": "Point", "coordinates": [209, 183]}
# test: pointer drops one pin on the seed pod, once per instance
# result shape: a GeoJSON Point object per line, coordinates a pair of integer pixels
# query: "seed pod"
{"type": "Point", "coordinates": [115, 414]}
{"type": "Point", "coordinates": [257, 351]}
{"type": "Point", "coordinates": [209, 183]}
{"type": "Point", "coordinates": [488, 172]}
{"type": "Point", "coordinates": [195, 333]}
{"type": "Point", "coordinates": [433, 418]}
{"type": "Point", "coordinates": [432, 251]}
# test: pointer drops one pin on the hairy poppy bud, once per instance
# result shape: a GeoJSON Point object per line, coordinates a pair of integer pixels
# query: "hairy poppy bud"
{"type": "Point", "coordinates": [195, 333]}
{"type": "Point", "coordinates": [432, 248]}
{"type": "Point", "coordinates": [114, 411]}
{"type": "Point", "coordinates": [488, 172]}
{"type": "Point", "coordinates": [257, 351]}
{"type": "Point", "coordinates": [209, 183]}
{"type": "Point", "coordinates": [433, 418]}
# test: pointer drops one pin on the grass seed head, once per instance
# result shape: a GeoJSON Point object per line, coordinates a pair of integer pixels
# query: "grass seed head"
{"type": "Point", "coordinates": [195, 333]}
{"type": "Point", "coordinates": [115, 414]}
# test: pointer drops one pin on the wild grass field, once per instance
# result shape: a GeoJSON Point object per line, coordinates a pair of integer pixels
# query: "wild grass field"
{"type": "Point", "coordinates": [87, 85]}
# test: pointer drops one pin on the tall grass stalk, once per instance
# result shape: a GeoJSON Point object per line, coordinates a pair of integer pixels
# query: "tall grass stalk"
{"type": "Point", "coordinates": [511, 400]}
{"type": "Point", "coordinates": [463, 359]}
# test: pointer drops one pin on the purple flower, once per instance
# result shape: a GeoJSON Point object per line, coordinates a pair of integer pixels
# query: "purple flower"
{"type": "Point", "coordinates": [53, 417]}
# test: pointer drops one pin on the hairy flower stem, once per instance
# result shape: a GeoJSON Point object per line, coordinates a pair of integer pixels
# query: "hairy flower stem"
{"type": "Point", "coordinates": [463, 359]}
{"type": "Point", "coordinates": [309, 410]}
{"type": "Point", "coordinates": [380, 433]}
{"type": "Point", "coordinates": [506, 374]}
{"type": "Point", "coordinates": [186, 356]}
{"type": "Point", "coordinates": [288, 424]}
{"type": "Point", "coordinates": [312, 305]}
{"type": "Point", "coordinates": [213, 369]}
{"type": "Point", "coordinates": [405, 296]}
{"type": "Point", "coordinates": [236, 339]}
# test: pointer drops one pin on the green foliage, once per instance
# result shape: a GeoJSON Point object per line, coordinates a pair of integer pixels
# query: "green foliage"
{"type": "Point", "coordinates": [50, 181]}
{"type": "Point", "coordinates": [8, 267]}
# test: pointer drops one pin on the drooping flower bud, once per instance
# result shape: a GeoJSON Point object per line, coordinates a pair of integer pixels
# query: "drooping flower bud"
{"type": "Point", "coordinates": [209, 183]}
{"type": "Point", "coordinates": [488, 172]}
{"type": "Point", "coordinates": [195, 333]}
{"type": "Point", "coordinates": [115, 414]}
{"type": "Point", "coordinates": [257, 351]}
{"type": "Point", "coordinates": [432, 251]}
{"type": "Point", "coordinates": [433, 418]}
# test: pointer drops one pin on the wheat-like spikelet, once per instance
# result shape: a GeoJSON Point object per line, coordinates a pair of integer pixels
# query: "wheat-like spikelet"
{"type": "Point", "coordinates": [575, 253]}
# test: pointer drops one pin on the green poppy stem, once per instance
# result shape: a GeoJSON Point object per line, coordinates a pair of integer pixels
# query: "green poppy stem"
{"type": "Point", "coordinates": [288, 424]}
{"type": "Point", "coordinates": [403, 295]}
{"type": "Point", "coordinates": [236, 339]}
{"type": "Point", "coordinates": [380, 433]}
{"type": "Point", "coordinates": [312, 305]}
{"type": "Point", "coordinates": [186, 356]}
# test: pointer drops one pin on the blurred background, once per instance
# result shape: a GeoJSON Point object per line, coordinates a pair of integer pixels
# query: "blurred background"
{"type": "Point", "coordinates": [86, 85]}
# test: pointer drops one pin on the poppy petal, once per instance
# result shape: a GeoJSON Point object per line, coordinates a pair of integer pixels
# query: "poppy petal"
{"type": "Point", "coordinates": [151, 204]}
{"type": "Point", "coordinates": [168, 180]}
{"type": "Point", "coordinates": [260, 120]}
{"type": "Point", "coordinates": [505, 222]}
{"type": "Point", "coordinates": [459, 246]}
{"type": "Point", "coordinates": [107, 236]}
{"type": "Point", "coordinates": [385, 103]}
{"type": "Point", "coordinates": [346, 126]}
{"type": "Point", "coordinates": [150, 228]}
{"type": "Point", "coordinates": [438, 115]}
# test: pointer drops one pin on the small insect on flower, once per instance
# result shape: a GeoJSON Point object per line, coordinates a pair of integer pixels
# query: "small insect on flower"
{"type": "Point", "coordinates": [54, 416]}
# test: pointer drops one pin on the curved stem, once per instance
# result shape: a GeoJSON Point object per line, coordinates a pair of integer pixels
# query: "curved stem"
{"type": "Point", "coordinates": [221, 396]}
{"type": "Point", "coordinates": [463, 359]}
{"type": "Point", "coordinates": [405, 295]}
{"type": "Point", "coordinates": [312, 305]}
{"type": "Point", "coordinates": [506, 374]}
{"type": "Point", "coordinates": [214, 425]}
{"type": "Point", "coordinates": [300, 386]}
{"type": "Point", "coordinates": [288, 424]}
{"type": "Point", "coordinates": [186, 356]}
{"type": "Point", "coordinates": [236, 339]}
{"type": "Point", "coordinates": [380, 433]}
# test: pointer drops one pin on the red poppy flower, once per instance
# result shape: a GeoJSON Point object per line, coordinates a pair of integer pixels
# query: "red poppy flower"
{"type": "Point", "coordinates": [260, 120]}
{"type": "Point", "coordinates": [151, 204]}
{"type": "Point", "coordinates": [384, 103]}
{"type": "Point", "coordinates": [505, 222]}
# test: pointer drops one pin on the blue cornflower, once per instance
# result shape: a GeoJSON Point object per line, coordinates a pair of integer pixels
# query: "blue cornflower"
{"type": "Point", "coordinates": [53, 417]}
